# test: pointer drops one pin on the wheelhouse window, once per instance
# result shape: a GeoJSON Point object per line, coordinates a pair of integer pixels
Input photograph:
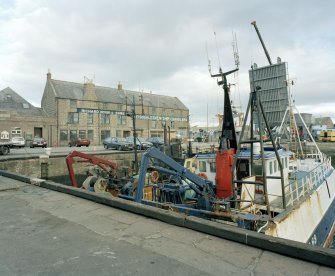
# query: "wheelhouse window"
{"type": "Point", "coordinates": [202, 166]}
{"type": "Point", "coordinates": [212, 166]}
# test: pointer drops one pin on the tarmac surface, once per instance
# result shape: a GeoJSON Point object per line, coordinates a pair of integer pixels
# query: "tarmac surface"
{"type": "Point", "coordinates": [43, 232]}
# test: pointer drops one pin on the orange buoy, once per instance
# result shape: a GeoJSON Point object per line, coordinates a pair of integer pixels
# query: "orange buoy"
{"type": "Point", "coordinates": [154, 176]}
{"type": "Point", "coordinates": [203, 175]}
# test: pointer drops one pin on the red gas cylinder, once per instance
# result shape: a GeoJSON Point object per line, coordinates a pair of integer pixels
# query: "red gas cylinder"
{"type": "Point", "coordinates": [224, 165]}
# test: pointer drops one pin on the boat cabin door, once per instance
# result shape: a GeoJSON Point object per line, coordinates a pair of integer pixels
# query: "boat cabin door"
{"type": "Point", "coordinates": [242, 169]}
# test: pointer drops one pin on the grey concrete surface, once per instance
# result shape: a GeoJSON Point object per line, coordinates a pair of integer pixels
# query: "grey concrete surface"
{"type": "Point", "coordinates": [43, 232]}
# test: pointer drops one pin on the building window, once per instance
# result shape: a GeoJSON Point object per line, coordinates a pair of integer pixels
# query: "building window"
{"type": "Point", "coordinates": [16, 131]}
{"type": "Point", "coordinates": [90, 118]}
{"type": "Point", "coordinates": [153, 110]}
{"type": "Point", "coordinates": [73, 118]}
{"type": "Point", "coordinates": [82, 134]}
{"type": "Point", "coordinates": [73, 103]}
{"type": "Point", "coordinates": [271, 170]}
{"type": "Point", "coordinates": [275, 166]}
{"type": "Point", "coordinates": [105, 119]}
{"type": "Point", "coordinates": [105, 134]}
{"type": "Point", "coordinates": [121, 120]}
{"type": "Point", "coordinates": [119, 107]}
{"type": "Point", "coordinates": [105, 105]}
{"type": "Point", "coordinates": [153, 124]}
{"type": "Point", "coordinates": [73, 134]}
{"type": "Point", "coordinates": [64, 135]}
{"type": "Point", "coordinates": [90, 134]}
{"type": "Point", "coordinates": [118, 133]}
{"type": "Point", "coordinates": [172, 124]}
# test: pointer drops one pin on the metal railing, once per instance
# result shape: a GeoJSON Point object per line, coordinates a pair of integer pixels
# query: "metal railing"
{"type": "Point", "coordinates": [302, 185]}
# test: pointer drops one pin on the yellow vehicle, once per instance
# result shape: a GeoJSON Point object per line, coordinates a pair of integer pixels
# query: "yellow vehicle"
{"type": "Point", "coordinates": [327, 135]}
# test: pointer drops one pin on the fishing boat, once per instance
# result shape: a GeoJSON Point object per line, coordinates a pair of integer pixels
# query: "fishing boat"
{"type": "Point", "coordinates": [290, 185]}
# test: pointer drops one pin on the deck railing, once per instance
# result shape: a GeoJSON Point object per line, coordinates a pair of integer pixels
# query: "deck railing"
{"type": "Point", "coordinates": [301, 185]}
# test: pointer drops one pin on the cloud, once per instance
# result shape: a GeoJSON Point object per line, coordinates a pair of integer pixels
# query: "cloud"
{"type": "Point", "coordinates": [160, 46]}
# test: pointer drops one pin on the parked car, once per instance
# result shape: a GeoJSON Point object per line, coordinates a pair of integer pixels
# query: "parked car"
{"type": "Point", "coordinates": [38, 142]}
{"type": "Point", "coordinates": [117, 143]}
{"type": "Point", "coordinates": [78, 142]}
{"type": "Point", "coordinates": [156, 141]}
{"type": "Point", "coordinates": [141, 143]}
{"type": "Point", "coordinates": [18, 142]}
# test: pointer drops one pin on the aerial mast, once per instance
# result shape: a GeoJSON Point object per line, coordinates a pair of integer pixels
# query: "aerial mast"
{"type": "Point", "coordinates": [227, 141]}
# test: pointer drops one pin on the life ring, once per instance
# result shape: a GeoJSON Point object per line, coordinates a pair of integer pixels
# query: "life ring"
{"type": "Point", "coordinates": [203, 175]}
{"type": "Point", "coordinates": [154, 176]}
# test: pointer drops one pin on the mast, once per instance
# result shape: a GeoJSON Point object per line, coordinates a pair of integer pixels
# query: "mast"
{"type": "Point", "coordinates": [262, 42]}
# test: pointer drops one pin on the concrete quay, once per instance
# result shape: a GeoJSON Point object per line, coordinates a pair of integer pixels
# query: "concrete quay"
{"type": "Point", "coordinates": [45, 232]}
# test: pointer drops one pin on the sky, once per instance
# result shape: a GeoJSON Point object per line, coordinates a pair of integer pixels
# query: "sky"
{"type": "Point", "coordinates": [163, 47]}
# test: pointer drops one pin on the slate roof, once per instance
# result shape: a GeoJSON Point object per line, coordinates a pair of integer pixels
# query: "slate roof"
{"type": "Point", "coordinates": [71, 90]}
{"type": "Point", "coordinates": [323, 120]}
{"type": "Point", "coordinates": [10, 101]}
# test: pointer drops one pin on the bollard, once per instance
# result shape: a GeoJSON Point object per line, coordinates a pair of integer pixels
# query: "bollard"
{"type": "Point", "coordinates": [44, 162]}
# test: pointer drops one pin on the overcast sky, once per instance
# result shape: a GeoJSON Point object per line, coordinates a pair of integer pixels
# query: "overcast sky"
{"type": "Point", "coordinates": [160, 46]}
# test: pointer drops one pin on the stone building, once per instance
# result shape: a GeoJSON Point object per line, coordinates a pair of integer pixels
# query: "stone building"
{"type": "Point", "coordinates": [95, 112]}
{"type": "Point", "coordinates": [20, 118]}
{"type": "Point", "coordinates": [327, 121]}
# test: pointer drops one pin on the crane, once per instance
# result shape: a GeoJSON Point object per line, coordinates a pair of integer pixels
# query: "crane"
{"type": "Point", "coordinates": [262, 42]}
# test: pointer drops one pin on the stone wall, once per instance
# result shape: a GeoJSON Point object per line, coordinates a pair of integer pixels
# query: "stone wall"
{"type": "Point", "coordinates": [57, 164]}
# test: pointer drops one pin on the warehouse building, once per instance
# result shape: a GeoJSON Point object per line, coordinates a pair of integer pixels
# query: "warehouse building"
{"type": "Point", "coordinates": [88, 111]}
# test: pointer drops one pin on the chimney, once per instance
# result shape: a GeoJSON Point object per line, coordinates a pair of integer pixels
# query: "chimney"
{"type": "Point", "coordinates": [49, 75]}
{"type": "Point", "coordinates": [89, 91]}
{"type": "Point", "coordinates": [119, 86]}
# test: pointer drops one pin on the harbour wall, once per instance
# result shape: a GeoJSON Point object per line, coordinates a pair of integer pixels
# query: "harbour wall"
{"type": "Point", "coordinates": [56, 165]}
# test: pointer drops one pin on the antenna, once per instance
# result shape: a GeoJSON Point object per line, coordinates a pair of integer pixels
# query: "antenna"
{"type": "Point", "coordinates": [209, 61]}
{"type": "Point", "coordinates": [235, 50]}
{"type": "Point", "coordinates": [217, 50]}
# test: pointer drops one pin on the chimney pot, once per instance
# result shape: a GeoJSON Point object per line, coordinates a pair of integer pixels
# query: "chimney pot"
{"type": "Point", "coordinates": [49, 75]}
{"type": "Point", "coordinates": [119, 86]}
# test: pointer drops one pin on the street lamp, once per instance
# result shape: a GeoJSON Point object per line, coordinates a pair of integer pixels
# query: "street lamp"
{"type": "Point", "coordinates": [132, 114]}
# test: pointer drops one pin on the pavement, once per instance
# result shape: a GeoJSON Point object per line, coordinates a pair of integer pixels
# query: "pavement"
{"type": "Point", "coordinates": [44, 232]}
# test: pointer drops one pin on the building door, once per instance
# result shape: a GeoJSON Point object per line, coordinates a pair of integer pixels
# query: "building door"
{"type": "Point", "coordinates": [126, 133]}
{"type": "Point", "coordinates": [38, 132]}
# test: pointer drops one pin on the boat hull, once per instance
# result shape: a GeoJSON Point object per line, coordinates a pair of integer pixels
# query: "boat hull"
{"type": "Point", "coordinates": [311, 221]}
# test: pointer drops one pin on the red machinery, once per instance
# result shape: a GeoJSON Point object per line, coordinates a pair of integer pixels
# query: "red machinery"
{"type": "Point", "coordinates": [108, 166]}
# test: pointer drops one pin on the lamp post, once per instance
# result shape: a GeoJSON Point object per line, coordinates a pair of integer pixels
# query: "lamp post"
{"type": "Point", "coordinates": [189, 153]}
{"type": "Point", "coordinates": [132, 114]}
